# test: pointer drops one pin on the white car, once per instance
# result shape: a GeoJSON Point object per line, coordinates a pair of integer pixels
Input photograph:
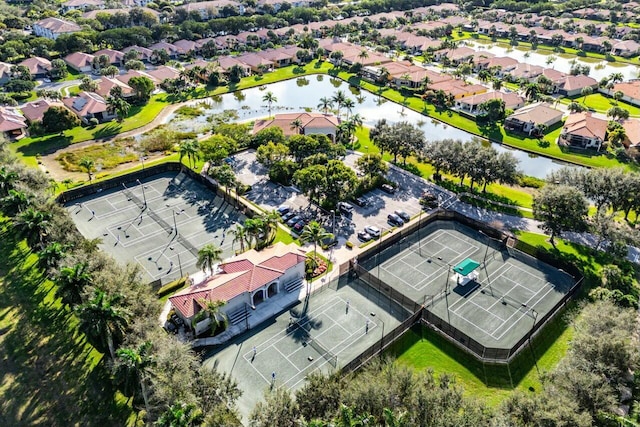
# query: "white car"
{"type": "Point", "coordinates": [372, 231]}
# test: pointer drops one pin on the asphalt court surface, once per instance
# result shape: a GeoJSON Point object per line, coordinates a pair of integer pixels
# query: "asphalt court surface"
{"type": "Point", "coordinates": [498, 309]}
{"type": "Point", "coordinates": [160, 223]}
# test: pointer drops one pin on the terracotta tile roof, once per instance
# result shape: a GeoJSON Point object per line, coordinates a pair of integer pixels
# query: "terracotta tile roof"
{"type": "Point", "coordinates": [554, 75]}
{"type": "Point", "coordinates": [537, 113]}
{"type": "Point", "coordinates": [79, 59]}
{"type": "Point", "coordinates": [86, 103]}
{"type": "Point", "coordinates": [184, 46]}
{"type": "Point", "coordinates": [511, 100]}
{"type": "Point", "coordinates": [56, 25]}
{"type": "Point", "coordinates": [105, 84]}
{"type": "Point", "coordinates": [632, 131]}
{"type": "Point", "coordinates": [630, 89]}
{"type": "Point", "coordinates": [578, 82]}
{"type": "Point", "coordinates": [584, 124]}
{"type": "Point", "coordinates": [115, 56]}
{"type": "Point", "coordinates": [33, 111]}
{"type": "Point", "coordinates": [37, 65]}
{"type": "Point", "coordinates": [124, 78]}
{"type": "Point", "coordinates": [164, 72]}
{"type": "Point", "coordinates": [308, 120]}
{"type": "Point", "coordinates": [145, 53]}
{"type": "Point", "coordinates": [242, 274]}
{"type": "Point", "coordinates": [11, 120]}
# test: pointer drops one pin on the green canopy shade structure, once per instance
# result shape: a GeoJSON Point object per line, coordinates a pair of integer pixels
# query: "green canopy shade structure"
{"type": "Point", "coordinates": [466, 267]}
{"type": "Point", "coordinates": [466, 271]}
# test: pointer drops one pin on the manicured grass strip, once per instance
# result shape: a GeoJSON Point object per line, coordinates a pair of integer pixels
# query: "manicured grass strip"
{"type": "Point", "coordinates": [602, 103]}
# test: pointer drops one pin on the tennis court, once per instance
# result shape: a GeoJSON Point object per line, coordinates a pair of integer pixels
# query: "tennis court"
{"type": "Point", "coordinates": [323, 334]}
{"type": "Point", "coordinates": [160, 223]}
{"type": "Point", "coordinates": [498, 308]}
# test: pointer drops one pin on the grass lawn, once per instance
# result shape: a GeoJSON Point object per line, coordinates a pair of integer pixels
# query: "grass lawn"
{"type": "Point", "coordinates": [107, 155]}
{"type": "Point", "coordinates": [602, 103]}
{"type": "Point", "coordinates": [49, 374]}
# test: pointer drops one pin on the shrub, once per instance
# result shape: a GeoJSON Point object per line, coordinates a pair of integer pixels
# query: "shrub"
{"type": "Point", "coordinates": [171, 287]}
{"type": "Point", "coordinates": [530, 181]}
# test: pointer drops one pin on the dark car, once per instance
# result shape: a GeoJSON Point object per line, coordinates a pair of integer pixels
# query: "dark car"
{"type": "Point", "coordinates": [387, 188]}
{"type": "Point", "coordinates": [360, 201]}
{"type": "Point", "coordinates": [402, 214]}
{"type": "Point", "coordinates": [293, 220]}
{"type": "Point", "coordinates": [298, 226]}
{"type": "Point", "coordinates": [364, 236]}
{"type": "Point", "coordinates": [345, 208]}
{"type": "Point", "coordinates": [394, 219]}
{"type": "Point", "coordinates": [286, 217]}
{"type": "Point", "coordinates": [283, 210]}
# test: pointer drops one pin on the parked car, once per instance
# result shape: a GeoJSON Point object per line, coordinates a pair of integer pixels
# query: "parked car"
{"type": "Point", "coordinates": [364, 236]}
{"type": "Point", "coordinates": [361, 201]}
{"type": "Point", "coordinates": [298, 226]}
{"type": "Point", "coordinates": [345, 208]}
{"type": "Point", "coordinates": [283, 210]}
{"type": "Point", "coordinates": [402, 214]}
{"type": "Point", "coordinates": [293, 220]}
{"type": "Point", "coordinates": [286, 217]}
{"type": "Point", "coordinates": [387, 188]}
{"type": "Point", "coordinates": [373, 231]}
{"type": "Point", "coordinates": [394, 219]}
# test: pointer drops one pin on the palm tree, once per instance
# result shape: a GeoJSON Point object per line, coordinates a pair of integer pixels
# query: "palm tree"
{"type": "Point", "coordinates": [118, 106]}
{"type": "Point", "coordinates": [531, 91]}
{"type": "Point", "coordinates": [393, 420]}
{"type": "Point", "coordinates": [240, 235]}
{"type": "Point", "coordinates": [7, 180]}
{"type": "Point", "coordinates": [338, 99]}
{"type": "Point", "coordinates": [53, 186]}
{"type": "Point", "coordinates": [586, 91]}
{"type": "Point", "coordinates": [207, 257]}
{"type": "Point", "coordinates": [190, 149]}
{"type": "Point", "coordinates": [133, 369]}
{"type": "Point", "coordinates": [269, 98]}
{"type": "Point", "coordinates": [71, 281]}
{"type": "Point", "coordinates": [217, 316]}
{"type": "Point", "coordinates": [15, 202]}
{"type": "Point", "coordinates": [33, 225]}
{"type": "Point", "coordinates": [297, 125]}
{"type": "Point", "coordinates": [325, 104]}
{"type": "Point", "coordinates": [363, 54]}
{"type": "Point", "coordinates": [270, 220]}
{"type": "Point", "coordinates": [87, 164]}
{"type": "Point", "coordinates": [616, 77]}
{"type": "Point", "coordinates": [181, 415]}
{"type": "Point", "coordinates": [315, 233]}
{"type": "Point", "coordinates": [349, 105]}
{"type": "Point", "coordinates": [51, 255]}
{"type": "Point", "coordinates": [103, 321]}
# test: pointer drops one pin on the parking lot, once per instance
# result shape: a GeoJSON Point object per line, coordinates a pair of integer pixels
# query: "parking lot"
{"type": "Point", "coordinates": [270, 196]}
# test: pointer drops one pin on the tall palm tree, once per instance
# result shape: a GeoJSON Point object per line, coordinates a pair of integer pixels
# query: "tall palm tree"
{"type": "Point", "coordinates": [53, 186]}
{"type": "Point", "coordinates": [297, 125]}
{"type": "Point", "coordinates": [190, 149]}
{"type": "Point", "coordinates": [325, 104]}
{"type": "Point", "coordinates": [338, 99]}
{"type": "Point", "coordinates": [314, 233]}
{"type": "Point", "coordinates": [349, 105]}
{"type": "Point", "coordinates": [51, 255]}
{"type": "Point", "coordinates": [103, 321]}
{"type": "Point", "coordinates": [181, 415]}
{"type": "Point", "coordinates": [71, 281]}
{"type": "Point", "coordinates": [269, 98]}
{"type": "Point", "coordinates": [33, 225]}
{"type": "Point", "coordinates": [87, 164]}
{"type": "Point", "coordinates": [208, 255]}
{"type": "Point", "coordinates": [118, 106]}
{"type": "Point", "coordinates": [7, 180]}
{"type": "Point", "coordinates": [217, 316]}
{"type": "Point", "coordinates": [240, 236]}
{"type": "Point", "coordinates": [133, 370]}
{"type": "Point", "coordinates": [270, 220]}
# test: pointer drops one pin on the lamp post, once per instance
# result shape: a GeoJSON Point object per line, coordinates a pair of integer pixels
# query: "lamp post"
{"type": "Point", "coordinates": [142, 159]}
{"type": "Point", "coordinates": [333, 222]}
{"type": "Point", "coordinates": [175, 225]}
{"type": "Point", "coordinates": [180, 264]}
{"type": "Point", "coordinates": [144, 196]}
{"type": "Point", "coordinates": [382, 337]}
{"type": "Point", "coordinates": [534, 313]}
{"type": "Point", "coordinates": [484, 261]}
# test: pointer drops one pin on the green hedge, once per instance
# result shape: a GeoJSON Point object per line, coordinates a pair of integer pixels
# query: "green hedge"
{"type": "Point", "coordinates": [172, 286]}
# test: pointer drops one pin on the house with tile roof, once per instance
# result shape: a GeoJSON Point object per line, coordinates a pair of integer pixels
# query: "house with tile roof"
{"type": "Point", "coordinates": [311, 124]}
{"type": "Point", "coordinates": [144, 54]}
{"type": "Point", "coordinates": [105, 84]}
{"type": "Point", "coordinates": [38, 67]}
{"type": "Point", "coordinates": [89, 105]}
{"type": "Point", "coordinates": [532, 117]}
{"type": "Point", "coordinates": [632, 133]}
{"type": "Point", "coordinates": [115, 56]}
{"type": "Point", "coordinates": [12, 124]}
{"type": "Point", "coordinates": [244, 282]}
{"type": "Point", "coordinates": [625, 48]}
{"type": "Point", "coordinates": [458, 88]}
{"type": "Point", "coordinates": [34, 111]}
{"type": "Point", "coordinates": [82, 5]}
{"type": "Point", "coordinates": [582, 130]}
{"type": "Point", "coordinates": [471, 104]}
{"type": "Point", "coordinates": [163, 73]}
{"type": "Point", "coordinates": [630, 91]}
{"type": "Point", "coordinates": [573, 85]}
{"type": "Point", "coordinates": [226, 63]}
{"type": "Point", "coordinates": [52, 28]}
{"type": "Point", "coordinates": [80, 61]}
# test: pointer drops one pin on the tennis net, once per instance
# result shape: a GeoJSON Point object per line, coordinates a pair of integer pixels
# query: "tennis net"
{"type": "Point", "coordinates": [328, 356]}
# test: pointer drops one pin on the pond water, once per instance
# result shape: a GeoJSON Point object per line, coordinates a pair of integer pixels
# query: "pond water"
{"type": "Point", "coordinates": [599, 68]}
{"type": "Point", "coordinates": [305, 93]}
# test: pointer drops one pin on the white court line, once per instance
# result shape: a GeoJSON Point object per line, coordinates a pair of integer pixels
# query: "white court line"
{"type": "Point", "coordinates": [525, 312]}
{"type": "Point", "coordinates": [505, 267]}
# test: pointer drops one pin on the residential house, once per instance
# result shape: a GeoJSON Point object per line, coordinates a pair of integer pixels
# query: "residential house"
{"type": "Point", "coordinates": [573, 85]}
{"type": "Point", "coordinates": [105, 84]}
{"type": "Point", "coordinates": [471, 104]}
{"type": "Point", "coordinates": [371, 58]}
{"type": "Point", "coordinates": [626, 48]}
{"type": "Point", "coordinates": [582, 130]}
{"type": "Point", "coordinates": [279, 57]}
{"type": "Point", "coordinates": [257, 63]}
{"type": "Point", "coordinates": [632, 133]}
{"type": "Point", "coordinates": [243, 282]}
{"type": "Point", "coordinates": [163, 72]}
{"type": "Point", "coordinates": [80, 61]}
{"type": "Point", "coordinates": [5, 72]}
{"type": "Point", "coordinates": [52, 28]}
{"type": "Point", "coordinates": [458, 88]}
{"type": "Point", "coordinates": [630, 91]}
{"type": "Point", "coordinates": [144, 54]}
{"type": "Point", "coordinates": [34, 111]}
{"type": "Point", "coordinates": [310, 124]}
{"type": "Point", "coordinates": [226, 63]}
{"type": "Point", "coordinates": [185, 47]}
{"type": "Point", "coordinates": [12, 124]}
{"type": "Point", "coordinates": [501, 63]}
{"type": "Point", "coordinates": [38, 67]}
{"type": "Point", "coordinates": [528, 72]}
{"type": "Point", "coordinates": [124, 78]}
{"type": "Point", "coordinates": [557, 78]}
{"type": "Point", "coordinates": [532, 117]}
{"type": "Point", "coordinates": [115, 56]}
{"type": "Point", "coordinates": [171, 50]}
{"type": "Point", "coordinates": [89, 105]}
{"type": "Point", "coordinates": [212, 9]}
{"type": "Point", "coordinates": [455, 56]}
{"type": "Point", "coordinates": [81, 5]}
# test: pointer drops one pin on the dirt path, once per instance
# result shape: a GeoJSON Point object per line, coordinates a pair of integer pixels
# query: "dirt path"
{"type": "Point", "coordinates": [52, 167]}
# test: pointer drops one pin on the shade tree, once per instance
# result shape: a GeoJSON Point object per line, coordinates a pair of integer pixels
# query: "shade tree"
{"type": "Point", "coordinates": [560, 208]}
